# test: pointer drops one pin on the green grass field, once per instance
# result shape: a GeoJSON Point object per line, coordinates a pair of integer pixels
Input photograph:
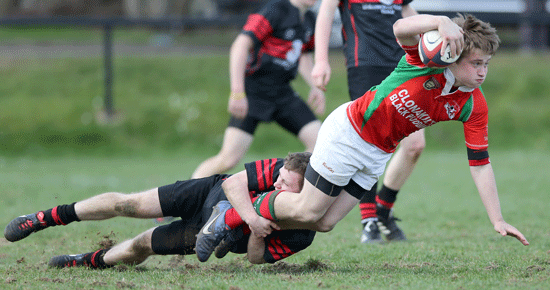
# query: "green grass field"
{"type": "Point", "coordinates": [452, 244]}
{"type": "Point", "coordinates": [171, 114]}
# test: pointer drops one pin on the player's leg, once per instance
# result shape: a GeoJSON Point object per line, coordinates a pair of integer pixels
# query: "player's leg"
{"type": "Point", "coordinates": [398, 171]}
{"type": "Point", "coordinates": [131, 252]}
{"type": "Point", "coordinates": [175, 238]}
{"type": "Point", "coordinates": [340, 155]}
{"type": "Point", "coordinates": [361, 79]}
{"type": "Point", "coordinates": [237, 139]}
{"type": "Point", "coordinates": [404, 160]}
{"type": "Point", "coordinates": [104, 206]}
{"type": "Point", "coordinates": [112, 204]}
{"type": "Point", "coordinates": [308, 135]}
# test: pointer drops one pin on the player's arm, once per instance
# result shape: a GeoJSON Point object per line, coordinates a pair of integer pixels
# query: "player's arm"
{"type": "Point", "coordinates": [484, 180]}
{"type": "Point", "coordinates": [236, 191]}
{"type": "Point", "coordinates": [407, 31]}
{"type": "Point", "coordinates": [323, 27]}
{"type": "Point", "coordinates": [238, 55]}
{"type": "Point", "coordinates": [256, 249]}
{"type": "Point", "coordinates": [316, 97]}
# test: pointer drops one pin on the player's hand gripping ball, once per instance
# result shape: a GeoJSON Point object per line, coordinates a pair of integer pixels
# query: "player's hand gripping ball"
{"type": "Point", "coordinates": [429, 49]}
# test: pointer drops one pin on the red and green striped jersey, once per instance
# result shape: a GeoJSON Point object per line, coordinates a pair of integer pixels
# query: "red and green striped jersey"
{"type": "Point", "coordinates": [413, 97]}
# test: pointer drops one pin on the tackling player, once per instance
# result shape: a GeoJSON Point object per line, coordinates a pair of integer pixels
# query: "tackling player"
{"type": "Point", "coordinates": [192, 200]}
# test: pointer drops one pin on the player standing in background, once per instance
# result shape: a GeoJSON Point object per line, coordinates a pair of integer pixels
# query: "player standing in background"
{"type": "Point", "coordinates": [371, 53]}
{"type": "Point", "coordinates": [275, 44]}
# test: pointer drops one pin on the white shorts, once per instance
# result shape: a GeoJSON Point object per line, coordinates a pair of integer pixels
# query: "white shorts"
{"type": "Point", "coordinates": [340, 154]}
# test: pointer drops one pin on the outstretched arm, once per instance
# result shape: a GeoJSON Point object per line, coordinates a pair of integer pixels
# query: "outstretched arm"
{"type": "Point", "coordinates": [486, 185]}
{"type": "Point", "coordinates": [323, 26]}
{"type": "Point", "coordinates": [407, 31]}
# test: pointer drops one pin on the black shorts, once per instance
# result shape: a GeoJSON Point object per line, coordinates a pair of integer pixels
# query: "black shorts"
{"type": "Point", "coordinates": [331, 189]}
{"type": "Point", "coordinates": [289, 111]}
{"type": "Point", "coordinates": [192, 200]}
{"type": "Point", "coordinates": [362, 78]}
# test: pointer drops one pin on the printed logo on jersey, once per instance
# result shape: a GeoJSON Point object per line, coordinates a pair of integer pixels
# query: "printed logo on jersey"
{"type": "Point", "coordinates": [292, 56]}
{"type": "Point", "coordinates": [431, 84]}
{"type": "Point", "coordinates": [410, 110]}
{"type": "Point", "coordinates": [384, 6]}
{"type": "Point", "coordinates": [451, 109]}
{"type": "Point", "coordinates": [289, 34]}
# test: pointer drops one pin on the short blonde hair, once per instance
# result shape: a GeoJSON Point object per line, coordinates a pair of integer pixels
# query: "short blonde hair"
{"type": "Point", "coordinates": [297, 162]}
{"type": "Point", "coordinates": [477, 35]}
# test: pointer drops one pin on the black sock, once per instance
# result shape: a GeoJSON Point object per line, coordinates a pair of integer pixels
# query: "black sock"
{"type": "Point", "coordinates": [95, 259]}
{"type": "Point", "coordinates": [367, 205]}
{"type": "Point", "coordinates": [60, 215]}
{"type": "Point", "coordinates": [384, 201]}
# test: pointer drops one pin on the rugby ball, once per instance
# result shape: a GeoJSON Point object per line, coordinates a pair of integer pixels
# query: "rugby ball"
{"type": "Point", "coordinates": [429, 48]}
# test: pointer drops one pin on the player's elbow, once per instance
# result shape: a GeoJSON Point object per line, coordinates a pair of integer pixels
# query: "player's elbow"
{"type": "Point", "coordinates": [398, 28]}
{"type": "Point", "coordinates": [324, 226]}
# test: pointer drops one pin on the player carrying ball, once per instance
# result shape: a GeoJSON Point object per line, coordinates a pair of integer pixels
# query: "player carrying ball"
{"type": "Point", "coordinates": [357, 139]}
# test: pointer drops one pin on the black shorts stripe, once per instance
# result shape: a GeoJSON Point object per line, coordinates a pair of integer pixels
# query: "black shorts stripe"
{"type": "Point", "coordinates": [321, 183]}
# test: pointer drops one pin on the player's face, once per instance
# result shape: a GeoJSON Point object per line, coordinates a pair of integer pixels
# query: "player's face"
{"type": "Point", "coordinates": [288, 180]}
{"type": "Point", "coordinates": [471, 71]}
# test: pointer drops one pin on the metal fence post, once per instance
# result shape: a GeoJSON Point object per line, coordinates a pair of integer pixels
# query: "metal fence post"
{"type": "Point", "coordinates": [108, 60]}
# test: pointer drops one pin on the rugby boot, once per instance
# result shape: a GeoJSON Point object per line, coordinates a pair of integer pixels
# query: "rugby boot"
{"type": "Point", "coordinates": [388, 227]}
{"type": "Point", "coordinates": [371, 233]}
{"type": "Point", "coordinates": [229, 242]}
{"type": "Point", "coordinates": [91, 260]}
{"type": "Point", "coordinates": [21, 227]}
{"type": "Point", "coordinates": [213, 232]}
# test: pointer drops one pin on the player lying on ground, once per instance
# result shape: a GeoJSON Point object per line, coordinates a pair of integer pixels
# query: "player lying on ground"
{"type": "Point", "coordinates": [192, 200]}
{"type": "Point", "coordinates": [357, 139]}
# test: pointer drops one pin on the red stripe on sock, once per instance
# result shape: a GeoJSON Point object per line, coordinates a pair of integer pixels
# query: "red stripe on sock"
{"type": "Point", "coordinates": [94, 264]}
{"type": "Point", "coordinates": [56, 218]}
{"type": "Point", "coordinates": [368, 210]}
{"type": "Point", "coordinates": [386, 204]}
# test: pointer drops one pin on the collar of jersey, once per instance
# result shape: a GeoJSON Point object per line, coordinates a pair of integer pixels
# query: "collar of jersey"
{"type": "Point", "coordinates": [450, 80]}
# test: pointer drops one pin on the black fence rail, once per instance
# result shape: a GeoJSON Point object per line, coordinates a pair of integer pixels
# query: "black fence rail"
{"type": "Point", "coordinates": [108, 24]}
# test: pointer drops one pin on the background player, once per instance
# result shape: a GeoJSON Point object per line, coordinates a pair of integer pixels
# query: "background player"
{"type": "Point", "coordinates": [371, 53]}
{"type": "Point", "coordinates": [275, 44]}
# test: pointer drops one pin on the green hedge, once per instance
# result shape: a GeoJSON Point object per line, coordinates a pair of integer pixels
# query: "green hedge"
{"type": "Point", "coordinates": [54, 105]}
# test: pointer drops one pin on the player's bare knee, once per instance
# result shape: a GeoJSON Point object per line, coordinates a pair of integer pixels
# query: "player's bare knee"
{"type": "Point", "coordinates": [414, 149]}
{"type": "Point", "coordinates": [141, 245]}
